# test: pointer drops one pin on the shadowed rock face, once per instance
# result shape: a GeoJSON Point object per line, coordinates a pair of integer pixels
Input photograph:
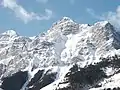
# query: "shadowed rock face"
{"type": "Point", "coordinates": [41, 80]}
{"type": "Point", "coordinates": [36, 78]}
{"type": "Point", "coordinates": [15, 82]}
{"type": "Point", "coordinates": [91, 75]}
{"type": "Point", "coordinates": [117, 88]}
{"type": "Point", "coordinates": [88, 76]}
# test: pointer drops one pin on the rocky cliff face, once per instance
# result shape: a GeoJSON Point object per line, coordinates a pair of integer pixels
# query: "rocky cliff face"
{"type": "Point", "coordinates": [69, 56]}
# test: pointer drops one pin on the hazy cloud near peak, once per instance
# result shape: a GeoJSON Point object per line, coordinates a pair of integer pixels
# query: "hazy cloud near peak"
{"type": "Point", "coordinates": [112, 17]}
{"type": "Point", "coordinates": [23, 14]}
{"type": "Point", "coordinates": [93, 14]}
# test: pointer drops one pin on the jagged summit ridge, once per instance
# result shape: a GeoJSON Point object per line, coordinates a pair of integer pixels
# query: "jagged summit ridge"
{"type": "Point", "coordinates": [56, 47]}
{"type": "Point", "coordinates": [10, 33]}
{"type": "Point", "coordinates": [66, 19]}
{"type": "Point", "coordinates": [66, 43]}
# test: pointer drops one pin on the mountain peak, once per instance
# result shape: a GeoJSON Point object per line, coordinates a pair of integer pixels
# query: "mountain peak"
{"type": "Point", "coordinates": [102, 23]}
{"type": "Point", "coordinates": [63, 20]}
{"type": "Point", "coordinates": [66, 19]}
{"type": "Point", "coordinates": [10, 33]}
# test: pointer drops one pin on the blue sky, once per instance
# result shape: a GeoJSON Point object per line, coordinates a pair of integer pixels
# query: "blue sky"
{"type": "Point", "coordinates": [31, 17]}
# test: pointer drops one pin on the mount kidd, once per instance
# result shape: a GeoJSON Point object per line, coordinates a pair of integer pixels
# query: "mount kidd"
{"type": "Point", "coordinates": [69, 56]}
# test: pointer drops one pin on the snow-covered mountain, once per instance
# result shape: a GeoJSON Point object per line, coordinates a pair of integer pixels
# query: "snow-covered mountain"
{"type": "Point", "coordinates": [69, 56]}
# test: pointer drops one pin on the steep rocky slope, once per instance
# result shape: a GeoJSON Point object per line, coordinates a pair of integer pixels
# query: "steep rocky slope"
{"type": "Point", "coordinates": [69, 56]}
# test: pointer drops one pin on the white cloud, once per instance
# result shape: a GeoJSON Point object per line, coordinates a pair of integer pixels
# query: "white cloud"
{"type": "Point", "coordinates": [42, 1]}
{"type": "Point", "coordinates": [93, 14]}
{"type": "Point", "coordinates": [48, 15]}
{"type": "Point", "coordinates": [23, 14]}
{"type": "Point", "coordinates": [112, 17]}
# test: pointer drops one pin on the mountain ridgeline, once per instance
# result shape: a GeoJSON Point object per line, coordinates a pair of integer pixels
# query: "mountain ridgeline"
{"type": "Point", "coordinates": [69, 56]}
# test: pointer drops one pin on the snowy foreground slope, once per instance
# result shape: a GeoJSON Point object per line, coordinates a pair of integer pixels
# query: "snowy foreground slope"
{"type": "Point", "coordinates": [69, 56]}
